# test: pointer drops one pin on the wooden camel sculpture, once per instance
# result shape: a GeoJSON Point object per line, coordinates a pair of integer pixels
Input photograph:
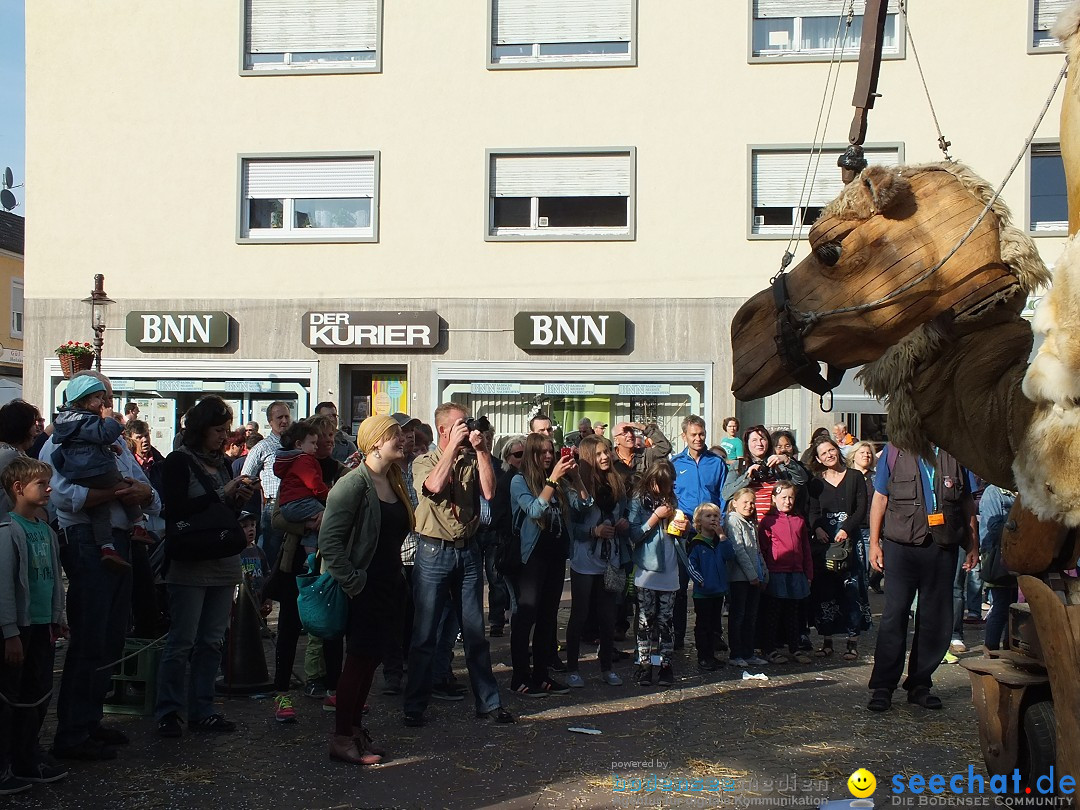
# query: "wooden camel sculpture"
{"type": "Point", "coordinates": [945, 346]}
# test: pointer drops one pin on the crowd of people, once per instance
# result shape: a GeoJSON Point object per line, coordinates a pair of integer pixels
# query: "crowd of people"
{"type": "Point", "coordinates": [415, 523]}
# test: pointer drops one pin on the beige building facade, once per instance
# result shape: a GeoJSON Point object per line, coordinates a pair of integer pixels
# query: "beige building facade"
{"type": "Point", "coordinates": [281, 162]}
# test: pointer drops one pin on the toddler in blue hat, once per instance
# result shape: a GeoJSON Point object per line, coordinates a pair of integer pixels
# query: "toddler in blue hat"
{"type": "Point", "coordinates": [87, 456]}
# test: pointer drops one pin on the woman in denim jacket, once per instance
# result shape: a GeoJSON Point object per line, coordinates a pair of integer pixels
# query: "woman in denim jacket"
{"type": "Point", "coordinates": [543, 504]}
{"type": "Point", "coordinates": [657, 555]}
{"type": "Point", "coordinates": [601, 540]}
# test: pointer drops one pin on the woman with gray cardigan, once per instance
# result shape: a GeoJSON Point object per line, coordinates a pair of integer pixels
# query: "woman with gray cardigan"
{"type": "Point", "coordinates": [368, 514]}
{"type": "Point", "coordinates": [200, 591]}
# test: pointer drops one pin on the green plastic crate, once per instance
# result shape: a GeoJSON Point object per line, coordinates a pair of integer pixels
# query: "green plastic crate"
{"type": "Point", "coordinates": [134, 680]}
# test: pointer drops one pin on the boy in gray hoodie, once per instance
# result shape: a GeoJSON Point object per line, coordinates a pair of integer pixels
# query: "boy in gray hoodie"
{"type": "Point", "coordinates": [31, 618]}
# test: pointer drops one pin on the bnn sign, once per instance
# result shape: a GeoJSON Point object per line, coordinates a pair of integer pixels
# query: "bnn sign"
{"type": "Point", "coordinates": [177, 330]}
{"type": "Point", "coordinates": [570, 331]}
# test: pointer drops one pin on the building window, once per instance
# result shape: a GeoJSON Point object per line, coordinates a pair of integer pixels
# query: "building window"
{"type": "Point", "coordinates": [324, 199]}
{"type": "Point", "coordinates": [17, 308]}
{"type": "Point", "coordinates": [1048, 203]}
{"type": "Point", "coordinates": [807, 29]}
{"type": "Point", "coordinates": [561, 33]}
{"type": "Point", "coordinates": [328, 36]}
{"type": "Point", "coordinates": [1044, 14]}
{"type": "Point", "coordinates": [779, 201]}
{"type": "Point", "coordinates": [561, 195]}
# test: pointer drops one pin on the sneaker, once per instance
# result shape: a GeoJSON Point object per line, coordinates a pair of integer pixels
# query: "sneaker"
{"type": "Point", "coordinates": [526, 690]}
{"type": "Point", "coordinates": [110, 559]}
{"type": "Point", "coordinates": [973, 618]}
{"type": "Point", "coordinates": [140, 535]}
{"type": "Point", "coordinates": [553, 687]}
{"type": "Point", "coordinates": [610, 678]}
{"type": "Point", "coordinates": [499, 715]}
{"type": "Point", "coordinates": [756, 661]}
{"type": "Point", "coordinates": [413, 719]}
{"type": "Point", "coordinates": [11, 784]}
{"type": "Point", "coordinates": [643, 676]}
{"type": "Point", "coordinates": [214, 722]}
{"type": "Point", "coordinates": [957, 646]}
{"type": "Point", "coordinates": [666, 677]}
{"type": "Point", "coordinates": [448, 691]}
{"type": "Point", "coordinates": [739, 662]}
{"type": "Point", "coordinates": [392, 686]}
{"type": "Point", "coordinates": [329, 703]}
{"type": "Point", "coordinates": [109, 736]}
{"type": "Point", "coordinates": [315, 689]}
{"type": "Point", "coordinates": [949, 658]}
{"type": "Point", "coordinates": [574, 680]}
{"type": "Point", "coordinates": [283, 709]}
{"type": "Point", "coordinates": [42, 772]}
{"type": "Point", "coordinates": [707, 664]}
{"type": "Point", "coordinates": [558, 665]}
{"type": "Point", "coordinates": [169, 725]}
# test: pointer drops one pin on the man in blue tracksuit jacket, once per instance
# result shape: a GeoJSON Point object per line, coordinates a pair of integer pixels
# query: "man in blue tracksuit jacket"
{"type": "Point", "coordinates": [699, 478]}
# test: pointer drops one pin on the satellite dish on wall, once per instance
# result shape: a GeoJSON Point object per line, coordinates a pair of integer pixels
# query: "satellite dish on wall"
{"type": "Point", "coordinates": [7, 199]}
{"type": "Point", "coordinates": [9, 178]}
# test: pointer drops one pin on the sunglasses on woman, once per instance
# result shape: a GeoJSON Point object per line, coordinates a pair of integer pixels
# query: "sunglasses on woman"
{"type": "Point", "coordinates": [518, 454]}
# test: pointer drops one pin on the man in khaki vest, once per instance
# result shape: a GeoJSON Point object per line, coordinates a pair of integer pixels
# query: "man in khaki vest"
{"type": "Point", "coordinates": [921, 515]}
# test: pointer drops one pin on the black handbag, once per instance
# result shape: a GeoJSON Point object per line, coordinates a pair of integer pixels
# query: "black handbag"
{"type": "Point", "coordinates": [838, 556]}
{"type": "Point", "coordinates": [212, 534]}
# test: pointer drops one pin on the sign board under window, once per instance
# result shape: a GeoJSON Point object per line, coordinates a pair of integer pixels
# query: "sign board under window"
{"type": "Point", "coordinates": [175, 330]}
{"type": "Point", "coordinates": [370, 330]}
{"type": "Point", "coordinates": [570, 331]}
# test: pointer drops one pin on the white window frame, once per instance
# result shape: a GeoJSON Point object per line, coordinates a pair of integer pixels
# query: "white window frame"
{"type": "Point", "coordinates": [289, 235]}
{"type": "Point", "coordinates": [536, 233]}
{"type": "Point", "coordinates": [1049, 45]}
{"type": "Point", "coordinates": [850, 54]}
{"type": "Point", "coordinates": [826, 167]}
{"type": "Point", "coordinates": [18, 316]}
{"type": "Point", "coordinates": [286, 67]}
{"type": "Point", "coordinates": [1047, 148]}
{"type": "Point", "coordinates": [536, 60]}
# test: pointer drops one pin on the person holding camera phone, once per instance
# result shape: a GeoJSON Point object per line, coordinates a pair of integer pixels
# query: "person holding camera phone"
{"type": "Point", "coordinates": [448, 563]}
{"type": "Point", "coordinates": [542, 504]}
{"type": "Point", "coordinates": [762, 468]}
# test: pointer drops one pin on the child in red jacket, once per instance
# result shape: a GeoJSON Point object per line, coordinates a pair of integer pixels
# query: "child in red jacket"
{"type": "Point", "coordinates": [784, 538]}
{"type": "Point", "coordinates": [302, 494]}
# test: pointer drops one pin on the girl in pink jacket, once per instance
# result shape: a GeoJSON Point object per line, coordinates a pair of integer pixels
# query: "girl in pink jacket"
{"type": "Point", "coordinates": [784, 537]}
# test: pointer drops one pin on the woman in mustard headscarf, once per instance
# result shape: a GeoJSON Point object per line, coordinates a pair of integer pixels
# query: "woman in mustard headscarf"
{"type": "Point", "coordinates": [368, 514]}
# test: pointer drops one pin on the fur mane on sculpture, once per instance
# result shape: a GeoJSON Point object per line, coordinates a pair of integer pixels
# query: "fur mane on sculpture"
{"type": "Point", "coordinates": [1065, 31]}
{"type": "Point", "coordinates": [890, 377]}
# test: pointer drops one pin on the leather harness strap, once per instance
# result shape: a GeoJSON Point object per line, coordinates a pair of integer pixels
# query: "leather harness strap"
{"type": "Point", "coordinates": [789, 347]}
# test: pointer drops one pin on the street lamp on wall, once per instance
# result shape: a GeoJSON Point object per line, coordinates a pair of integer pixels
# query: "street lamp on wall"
{"type": "Point", "coordinates": [99, 305]}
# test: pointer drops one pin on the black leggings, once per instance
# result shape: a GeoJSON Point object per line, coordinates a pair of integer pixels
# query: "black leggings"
{"type": "Point", "coordinates": [539, 588]}
{"type": "Point", "coordinates": [779, 623]}
{"type": "Point", "coordinates": [588, 590]}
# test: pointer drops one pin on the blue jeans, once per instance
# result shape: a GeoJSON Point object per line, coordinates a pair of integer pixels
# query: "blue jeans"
{"type": "Point", "coordinates": [200, 617]}
{"type": "Point", "coordinates": [443, 574]}
{"type": "Point", "coordinates": [301, 511]}
{"type": "Point", "coordinates": [98, 612]}
{"type": "Point", "coordinates": [270, 538]}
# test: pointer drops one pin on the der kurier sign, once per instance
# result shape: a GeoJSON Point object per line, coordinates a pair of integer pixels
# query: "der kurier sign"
{"type": "Point", "coordinates": [570, 331]}
{"type": "Point", "coordinates": [177, 330]}
{"type": "Point", "coordinates": [371, 330]}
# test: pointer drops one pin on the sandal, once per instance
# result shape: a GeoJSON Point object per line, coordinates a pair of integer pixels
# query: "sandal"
{"type": "Point", "coordinates": [826, 648]}
{"type": "Point", "coordinates": [852, 650]}
{"type": "Point", "coordinates": [802, 658]}
{"type": "Point", "coordinates": [776, 657]}
{"type": "Point", "coordinates": [921, 696]}
{"type": "Point", "coordinates": [880, 700]}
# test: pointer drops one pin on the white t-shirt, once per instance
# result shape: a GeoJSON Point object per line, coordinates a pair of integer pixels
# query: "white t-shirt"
{"type": "Point", "coordinates": [666, 580]}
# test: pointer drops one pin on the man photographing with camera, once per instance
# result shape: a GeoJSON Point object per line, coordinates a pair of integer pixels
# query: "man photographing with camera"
{"type": "Point", "coordinates": [450, 481]}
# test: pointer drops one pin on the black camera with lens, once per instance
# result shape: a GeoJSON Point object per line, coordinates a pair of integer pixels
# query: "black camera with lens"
{"type": "Point", "coordinates": [480, 423]}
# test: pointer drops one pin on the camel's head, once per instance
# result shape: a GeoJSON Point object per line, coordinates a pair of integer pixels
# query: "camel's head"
{"type": "Point", "coordinates": [885, 230]}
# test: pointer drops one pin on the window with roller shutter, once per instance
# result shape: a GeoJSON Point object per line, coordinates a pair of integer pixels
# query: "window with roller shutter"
{"type": "Point", "coordinates": [561, 194]}
{"type": "Point", "coordinates": [305, 198]}
{"type": "Point", "coordinates": [1043, 14]}
{"type": "Point", "coordinates": [1048, 199]}
{"type": "Point", "coordinates": [311, 36]}
{"type": "Point", "coordinates": [786, 192]}
{"type": "Point", "coordinates": [562, 33]}
{"type": "Point", "coordinates": [808, 30]}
